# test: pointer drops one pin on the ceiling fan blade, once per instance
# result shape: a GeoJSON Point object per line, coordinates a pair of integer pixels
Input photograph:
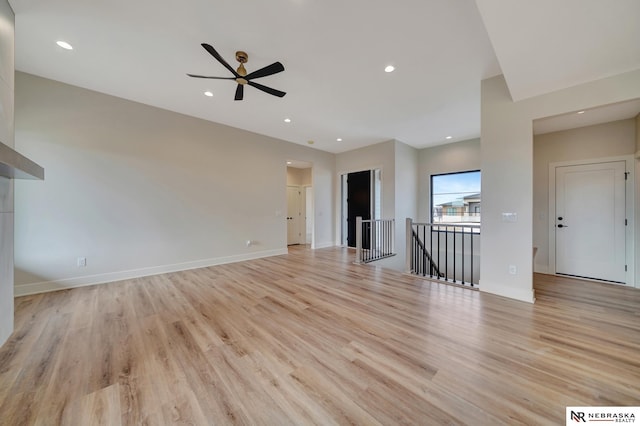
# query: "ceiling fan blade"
{"type": "Point", "coordinates": [239, 92]}
{"type": "Point", "coordinates": [205, 76]}
{"type": "Point", "coordinates": [220, 59]}
{"type": "Point", "coordinates": [266, 89]}
{"type": "Point", "coordinates": [274, 68]}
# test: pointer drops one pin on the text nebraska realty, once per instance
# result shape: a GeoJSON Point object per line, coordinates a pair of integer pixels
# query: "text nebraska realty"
{"type": "Point", "coordinates": [611, 417]}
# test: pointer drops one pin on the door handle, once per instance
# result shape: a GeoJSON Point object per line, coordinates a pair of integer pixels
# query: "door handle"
{"type": "Point", "coordinates": [562, 226]}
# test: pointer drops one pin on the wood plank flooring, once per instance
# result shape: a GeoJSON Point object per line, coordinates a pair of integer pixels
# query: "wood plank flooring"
{"type": "Point", "coordinates": [310, 338]}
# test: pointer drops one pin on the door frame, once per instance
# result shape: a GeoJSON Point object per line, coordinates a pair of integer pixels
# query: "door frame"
{"type": "Point", "coordinates": [307, 200]}
{"type": "Point", "coordinates": [376, 200]}
{"type": "Point", "coordinates": [629, 211]}
{"type": "Point", "coordinates": [309, 165]}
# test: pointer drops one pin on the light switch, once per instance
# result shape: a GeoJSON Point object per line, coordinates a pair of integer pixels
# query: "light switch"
{"type": "Point", "coordinates": [509, 217]}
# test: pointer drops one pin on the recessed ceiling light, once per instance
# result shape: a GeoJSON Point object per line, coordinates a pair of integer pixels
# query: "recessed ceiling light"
{"type": "Point", "coordinates": [339, 139]}
{"type": "Point", "coordinates": [288, 162]}
{"type": "Point", "coordinates": [389, 68]}
{"type": "Point", "coordinates": [580, 112]}
{"type": "Point", "coordinates": [64, 45]}
{"type": "Point", "coordinates": [287, 120]}
{"type": "Point", "coordinates": [208, 93]}
{"type": "Point", "coordinates": [449, 137]}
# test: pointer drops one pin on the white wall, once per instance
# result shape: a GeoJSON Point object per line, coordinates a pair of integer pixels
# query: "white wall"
{"type": "Point", "coordinates": [507, 172]}
{"type": "Point", "coordinates": [603, 140]}
{"type": "Point", "coordinates": [6, 185]}
{"type": "Point", "coordinates": [139, 190]}
{"type": "Point", "coordinates": [455, 157]}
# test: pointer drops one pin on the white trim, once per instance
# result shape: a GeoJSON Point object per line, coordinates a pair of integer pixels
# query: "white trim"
{"type": "Point", "coordinates": [311, 214]}
{"type": "Point", "coordinates": [629, 208]}
{"type": "Point", "coordinates": [324, 245]}
{"type": "Point", "coordinates": [509, 291]}
{"type": "Point", "coordinates": [54, 285]}
{"type": "Point", "coordinates": [593, 280]}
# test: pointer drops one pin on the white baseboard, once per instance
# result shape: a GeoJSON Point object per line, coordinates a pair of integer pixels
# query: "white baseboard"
{"type": "Point", "coordinates": [524, 295]}
{"type": "Point", "coordinates": [47, 286]}
{"type": "Point", "coordinates": [324, 245]}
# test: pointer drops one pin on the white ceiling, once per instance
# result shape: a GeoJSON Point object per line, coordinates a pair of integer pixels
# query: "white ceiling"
{"type": "Point", "coordinates": [334, 53]}
{"type": "Point", "coordinates": [589, 117]}
{"type": "Point", "coordinates": [547, 45]}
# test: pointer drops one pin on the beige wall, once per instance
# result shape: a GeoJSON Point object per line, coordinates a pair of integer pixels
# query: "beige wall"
{"type": "Point", "coordinates": [637, 206]}
{"type": "Point", "coordinates": [139, 190]}
{"type": "Point", "coordinates": [603, 140]}
{"type": "Point", "coordinates": [507, 172]}
{"type": "Point", "coordinates": [298, 177]}
{"type": "Point", "coordinates": [456, 157]}
{"type": "Point", "coordinates": [638, 133]}
{"type": "Point", "coordinates": [6, 185]}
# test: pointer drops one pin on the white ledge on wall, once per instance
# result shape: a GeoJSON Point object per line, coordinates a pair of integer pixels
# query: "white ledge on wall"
{"type": "Point", "coordinates": [14, 165]}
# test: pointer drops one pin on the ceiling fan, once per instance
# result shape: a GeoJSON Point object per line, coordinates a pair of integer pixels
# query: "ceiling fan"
{"type": "Point", "coordinates": [240, 75]}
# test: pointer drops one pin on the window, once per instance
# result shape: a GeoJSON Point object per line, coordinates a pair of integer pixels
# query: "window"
{"type": "Point", "coordinates": [456, 198]}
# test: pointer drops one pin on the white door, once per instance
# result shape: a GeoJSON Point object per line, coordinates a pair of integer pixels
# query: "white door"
{"type": "Point", "coordinates": [590, 221]}
{"type": "Point", "coordinates": [294, 214]}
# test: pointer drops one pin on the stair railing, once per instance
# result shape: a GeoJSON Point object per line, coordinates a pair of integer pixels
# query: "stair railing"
{"type": "Point", "coordinates": [375, 239]}
{"type": "Point", "coordinates": [447, 252]}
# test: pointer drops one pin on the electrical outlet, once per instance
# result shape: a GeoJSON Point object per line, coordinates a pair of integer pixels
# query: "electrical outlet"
{"type": "Point", "coordinates": [513, 270]}
{"type": "Point", "coordinates": [82, 262]}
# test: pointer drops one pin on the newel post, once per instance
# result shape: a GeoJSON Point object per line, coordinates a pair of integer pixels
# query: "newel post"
{"type": "Point", "coordinates": [358, 239]}
{"type": "Point", "coordinates": [409, 239]}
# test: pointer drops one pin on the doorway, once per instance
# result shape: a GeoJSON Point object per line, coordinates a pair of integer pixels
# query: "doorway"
{"type": "Point", "coordinates": [361, 195]}
{"type": "Point", "coordinates": [589, 216]}
{"type": "Point", "coordinates": [300, 215]}
{"type": "Point", "coordinates": [294, 215]}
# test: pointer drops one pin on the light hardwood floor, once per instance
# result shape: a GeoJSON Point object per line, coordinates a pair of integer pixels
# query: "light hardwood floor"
{"type": "Point", "coordinates": [310, 338]}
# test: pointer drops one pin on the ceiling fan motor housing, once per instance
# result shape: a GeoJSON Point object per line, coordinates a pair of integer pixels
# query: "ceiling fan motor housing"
{"type": "Point", "coordinates": [242, 57]}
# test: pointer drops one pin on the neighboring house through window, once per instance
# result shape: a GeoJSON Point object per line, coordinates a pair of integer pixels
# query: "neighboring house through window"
{"type": "Point", "coordinates": [456, 198]}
